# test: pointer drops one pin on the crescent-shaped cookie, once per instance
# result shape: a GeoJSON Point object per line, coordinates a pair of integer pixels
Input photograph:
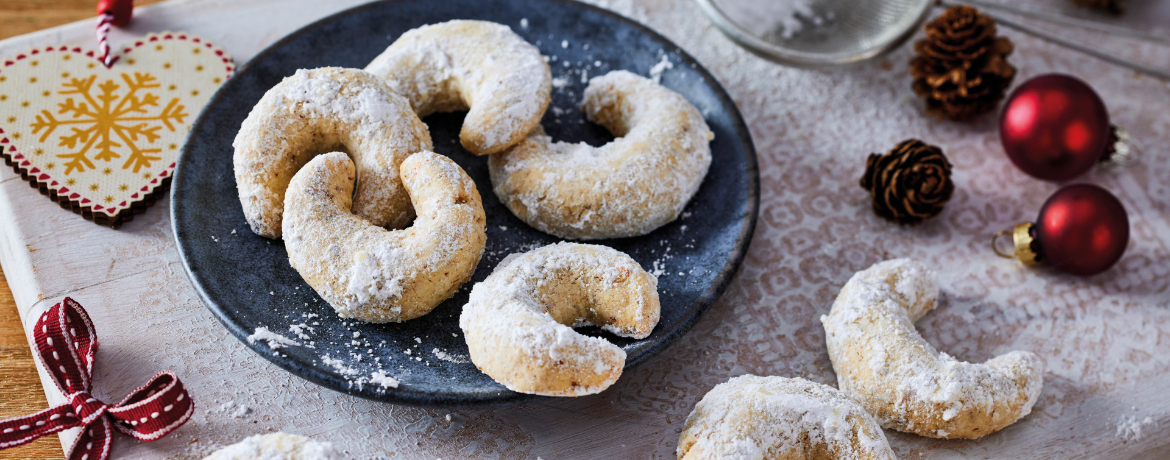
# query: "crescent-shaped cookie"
{"type": "Point", "coordinates": [883, 363]}
{"type": "Point", "coordinates": [777, 418]}
{"type": "Point", "coordinates": [479, 66]}
{"type": "Point", "coordinates": [324, 110]}
{"type": "Point", "coordinates": [628, 187]}
{"type": "Point", "coordinates": [518, 322]}
{"type": "Point", "coordinates": [367, 272]}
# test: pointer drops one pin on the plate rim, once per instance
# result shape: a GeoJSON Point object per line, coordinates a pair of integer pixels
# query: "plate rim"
{"type": "Point", "coordinates": [424, 399]}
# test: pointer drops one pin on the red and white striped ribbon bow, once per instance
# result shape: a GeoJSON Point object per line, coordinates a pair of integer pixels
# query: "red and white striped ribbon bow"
{"type": "Point", "coordinates": [66, 343]}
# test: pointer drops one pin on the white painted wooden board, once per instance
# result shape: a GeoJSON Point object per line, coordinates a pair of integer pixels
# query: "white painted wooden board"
{"type": "Point", "coordinates": [1104, 339]}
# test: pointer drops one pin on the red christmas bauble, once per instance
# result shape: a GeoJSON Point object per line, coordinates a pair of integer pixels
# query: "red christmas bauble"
{"type": "Point", "coordinates": [121, 9]}
{"type": "Point", "coordinates": [1054, 127]}
{"type": "Point", "coordinates": [1082, 229]}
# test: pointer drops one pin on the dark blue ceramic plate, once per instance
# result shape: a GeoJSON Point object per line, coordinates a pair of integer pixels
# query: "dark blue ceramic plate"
{"type": "Point", "coordinates": [248, 283]}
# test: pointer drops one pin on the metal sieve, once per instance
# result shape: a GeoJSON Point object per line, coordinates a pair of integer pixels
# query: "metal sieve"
{"type": "Point", "coordinates": [826, 33]}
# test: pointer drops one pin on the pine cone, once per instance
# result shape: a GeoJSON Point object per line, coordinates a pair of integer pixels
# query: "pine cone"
{"type": "Point", "coordinates": [1112, 6]}
{"type": "Point", "coordinates": [909, 184]}
{"type": "Point", "coordinates": [961, 68]}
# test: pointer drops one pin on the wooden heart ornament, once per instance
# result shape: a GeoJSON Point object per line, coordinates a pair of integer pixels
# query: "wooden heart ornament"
{"type": "Point", "coordinates": [101, 141]}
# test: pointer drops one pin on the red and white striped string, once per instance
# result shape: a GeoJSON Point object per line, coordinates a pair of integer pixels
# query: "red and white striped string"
{"type": "Point", "coordinates": [111, 13]}
{"type": "Point", "coordinates": [105, 22]}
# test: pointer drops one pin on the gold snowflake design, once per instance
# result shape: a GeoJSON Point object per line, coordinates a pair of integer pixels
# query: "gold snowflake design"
{"type": "Point", "coordinates": [110, 123]}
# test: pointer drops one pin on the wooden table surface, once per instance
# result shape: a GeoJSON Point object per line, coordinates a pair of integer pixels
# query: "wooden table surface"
{"type": "Point", "coordinates": [20, 387]}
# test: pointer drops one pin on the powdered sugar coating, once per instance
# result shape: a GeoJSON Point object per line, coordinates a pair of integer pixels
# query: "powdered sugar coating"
{"type": "Point", "coordinates": [518, 322]}
{"type": "Point", "coordinates": [777, 418]}
{"type": "Point", "coordinates": [628, 187]}
{"type": "Point", "coordinates": [323, 110]}
{"type": "Point", "coordinates": [273, 339]}
{"type": "Point", "coordinates": [378, 275]}
{"type": "Point", "coordinates": [277, 446]}
{"type": "Point", "coordinates": [476, 65]}
{"type": "Point", "coordinates": [883, 362]}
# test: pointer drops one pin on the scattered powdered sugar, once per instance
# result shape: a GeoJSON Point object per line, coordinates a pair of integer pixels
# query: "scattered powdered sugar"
{"type": "Point", "coordinates": [1129, 427]}
{"type": "Point", "coordinates": [662, 66]}
{"type": "Point", "coordinates": [234, 409]}
{"type": "Point", "coordinates": [274, 340]}
{"type": "Point", "coordinates": [241, 411]}
{"type": "Point", "coordinates": [277, 446]}
{"type": "Point", "coordinates": [299, 330]}
{"type": "Point", "coordinates": [657, 268]}
{"type": "Point", "coordinates": [356, 378]}
{"type": "Point", "coordinates": [380, 378]}
{"type": "Point", "coordinates": [444, 356]}
{"type": "Point", "coordinates": [340, 366]}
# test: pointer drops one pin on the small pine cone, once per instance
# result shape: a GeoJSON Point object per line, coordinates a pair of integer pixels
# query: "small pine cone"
{"type": "Point", "coordinates": [909, 184]}
{"type": "Point", "coordinates": [1112, 6]}
{"type": "Point", "coordinates": [961, 67]}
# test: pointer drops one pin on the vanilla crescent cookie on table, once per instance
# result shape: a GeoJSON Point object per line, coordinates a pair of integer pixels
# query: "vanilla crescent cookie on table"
{"type": "Point", "coordinates": [367, 272]}
{"type": "Point", "coordinates": [628, 187]}
{"type": "Point", "coordinates": [883, 363]}
{"type": "Point", "coordinates": [518, 322]}
{"type": "Point", "coordinates": [479, 66]}
{"type": "Point", "coordinates": [777, 418]}
{"type": "Point", "coordinates": [323, 110]}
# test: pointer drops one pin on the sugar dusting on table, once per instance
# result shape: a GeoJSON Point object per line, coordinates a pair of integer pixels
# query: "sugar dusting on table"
{"type": "Point", "coordinates": [277, 446]}
{"type": "Point", "coordinates": [1129, 427]}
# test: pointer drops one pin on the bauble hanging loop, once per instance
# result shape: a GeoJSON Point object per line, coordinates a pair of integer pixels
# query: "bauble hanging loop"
{"type": "Point", "coordinates": [1055, 127]}
{"type": "Point", "coordinates": [1023, 242]}
{"type": "Point", "coordinates": [1082, 229]}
